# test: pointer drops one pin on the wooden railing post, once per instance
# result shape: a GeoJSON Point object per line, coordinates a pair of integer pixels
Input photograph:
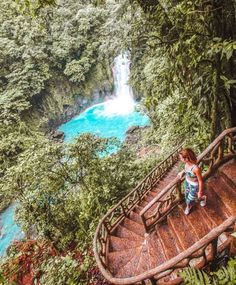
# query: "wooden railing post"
{"type": "Point", "coordinates": [213, 265]}
{"type": "Point", "coordinates": [153, 281]}
{"type": "Point", "coordinates": [123, 209]}
{"type": "Point", "coordinates": [106, 227]}
{"type": "Point", "coordinates": [179, 189]}
{"type": "Point", "coordinates": [232, 249]}
{"type": "Point", "coordinates": [144, 223]}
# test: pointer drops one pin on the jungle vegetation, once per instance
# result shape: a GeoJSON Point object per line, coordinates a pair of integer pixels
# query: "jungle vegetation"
{"type": "Point", "coordinates": [183, 71]}
{"type": "Point", "coordinates": [183, 56]}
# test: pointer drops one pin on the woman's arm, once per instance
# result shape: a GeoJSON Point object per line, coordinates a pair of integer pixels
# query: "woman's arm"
{"type": "Point", "coordinates": [198, 173]}
{"type": "Point", "coordinates": [181, 173]}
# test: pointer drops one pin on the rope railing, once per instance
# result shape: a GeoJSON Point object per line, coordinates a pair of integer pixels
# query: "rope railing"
{"type": "Point", "coordinates": [122, 209]}
{"type": "Point", "coordinates": [222, 149]}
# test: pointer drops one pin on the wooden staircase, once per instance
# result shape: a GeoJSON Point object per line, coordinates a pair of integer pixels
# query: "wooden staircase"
{"type": "Point", "coordinates": [131, 250]}
{"type": "Point", "coordinates": [153, 238]}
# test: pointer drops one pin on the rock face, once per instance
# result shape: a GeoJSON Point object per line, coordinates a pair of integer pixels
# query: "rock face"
{"type": "Point", "coordinates": [61, 101]}
{"type": "Point", "coordinates": [80, 103]}
{"type": "Point", "coordinates": [134, 134]}
{"type": "Point", "coordinates": [134, 138]}
{"type": "Point", "coordinates": [132, 129]}
{"type": "Point", "coordinates": [57, 136]}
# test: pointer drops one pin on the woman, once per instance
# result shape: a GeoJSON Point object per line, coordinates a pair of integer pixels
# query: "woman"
{"type": "Point", "coordinates": [193, 183]}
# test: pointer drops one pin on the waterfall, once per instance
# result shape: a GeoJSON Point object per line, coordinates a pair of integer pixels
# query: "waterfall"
{"type": "Point", "coordinates": [123, 102]}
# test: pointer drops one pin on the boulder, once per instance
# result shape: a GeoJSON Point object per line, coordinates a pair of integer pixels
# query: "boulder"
{"type": "Point", "coordinates": [132, 129]}
{"type": "Point", "coordinates": [58, 135]}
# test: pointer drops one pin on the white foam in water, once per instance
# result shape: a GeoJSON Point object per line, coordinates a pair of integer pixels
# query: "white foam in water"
{"type": "Point", "coordinates": [123, 102]}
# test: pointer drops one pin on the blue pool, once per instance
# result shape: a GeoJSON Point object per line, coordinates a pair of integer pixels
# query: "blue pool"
{"type": "Point", "coordinates": [9, 230]}
{"type": "Point", "coordinates": [94, 120]}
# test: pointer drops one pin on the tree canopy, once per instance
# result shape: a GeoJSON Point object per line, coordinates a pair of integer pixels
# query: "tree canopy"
{"type": "Point", "coordinates": [183, 64]}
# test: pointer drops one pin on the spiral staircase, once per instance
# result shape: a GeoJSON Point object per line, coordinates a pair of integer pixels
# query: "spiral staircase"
{"type": "Point", "coordinates": [147, 239]}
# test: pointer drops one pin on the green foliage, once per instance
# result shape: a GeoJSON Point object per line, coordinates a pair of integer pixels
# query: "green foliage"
{"type": "Point", "coordinates": [60, 270]}
{"type": "Point", "coordinates": [224, 276]}
{"type": "Point", "coordinates": [15, 138]}
{"type": "Point", "coordinates": [62, 42]}
{"type": "Point", "coordinates": [76, 70]}
{"type": "Point", "coordinates": [64, 190]}
{"type": "Point", "coordinates": [33, 7]}
{"type": "Point", "coordinates": [183, 62]}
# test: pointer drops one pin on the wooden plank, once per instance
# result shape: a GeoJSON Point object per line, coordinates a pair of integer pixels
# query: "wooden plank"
{"type": "Point", "coordinates": [214, 209]}
{"type": "Point", "coordinates": [183, 232]}
{"type": "Point", "coordinates": [168, 240]}
{"type": "Point", "coordinates": [226, 194]}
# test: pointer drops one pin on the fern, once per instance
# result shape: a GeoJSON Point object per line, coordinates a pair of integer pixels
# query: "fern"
{"type": "Point", "coordinates": [195, 276]}
{"type": "Point", "coordinates": [224, 276]}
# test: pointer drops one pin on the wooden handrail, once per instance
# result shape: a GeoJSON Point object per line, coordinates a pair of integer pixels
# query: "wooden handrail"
{"type": "Point", "coordinates": [174, 183]}
{"type": "Point", "coordinates": [145, 178]}
{"type": "Point", "coordinates": [215, 142]}
{"type": "Point", "coordinates": [203, 242]}
{"type": "Point", "coordinates": [159, 195]}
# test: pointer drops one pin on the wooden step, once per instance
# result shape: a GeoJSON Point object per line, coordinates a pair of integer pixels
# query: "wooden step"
{"type": "Point", "coordinates": [144, 260]}
{"type": "Point", "coordinates": [156, 189]}
{"type": "Point", "coordinates": [225, 193]}
{"type": "Point", "coordinates": [133, 226]}
{"type": "Point", "coordinates": [118, 259]}
{"type": "Point", "coordinates": [117, 244]}
{"type": "Point", "coordinates": [129, 268]}
{"type": "Point", "coordinates": [196, 215]}
{"type": "Point", "coordinates": [168, 240]}
{"type": "Point", "coordinates": [214, 209]}
{"type": "Point", "coordinates": [182, 229]}
{"type": "Point", "coordinates": [172, 175]}
{"type": "Point", "coordinates": [163, 183]}
{"type": "Point", "coordinates": [229, 170]}
{"type": "Point", "coordinates": [135, 217]}
{"type": "Point", "coordinates": [124, 232]}
{"type": "Point", "coordinates": [156, 252]}
{"type": "Point", "coordinates": [227, 180]}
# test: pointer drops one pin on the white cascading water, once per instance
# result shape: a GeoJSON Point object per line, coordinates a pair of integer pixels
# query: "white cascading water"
{"type": "Point", "coordinates": [123, 102]}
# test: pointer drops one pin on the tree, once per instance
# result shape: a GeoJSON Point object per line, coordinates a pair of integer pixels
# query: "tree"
{"type": "Point", "coordinates": [64, 190]}
{"type": "Point", "coordinates": [183, 58]}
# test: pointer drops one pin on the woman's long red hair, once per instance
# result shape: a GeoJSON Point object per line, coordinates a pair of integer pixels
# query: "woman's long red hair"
{"type": "Point", "coordinates": [189, 155]}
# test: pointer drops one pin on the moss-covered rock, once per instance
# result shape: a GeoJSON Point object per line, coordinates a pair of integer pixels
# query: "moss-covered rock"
{"type": "Point", "coordinates": [62, 100]}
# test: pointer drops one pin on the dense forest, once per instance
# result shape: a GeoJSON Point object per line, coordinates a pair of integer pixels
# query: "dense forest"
{"type": "Point", "coordinates": [56, 54]}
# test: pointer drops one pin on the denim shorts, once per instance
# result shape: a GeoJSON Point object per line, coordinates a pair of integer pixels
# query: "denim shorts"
{"type": "Point", "coordinates": [190, 192]}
